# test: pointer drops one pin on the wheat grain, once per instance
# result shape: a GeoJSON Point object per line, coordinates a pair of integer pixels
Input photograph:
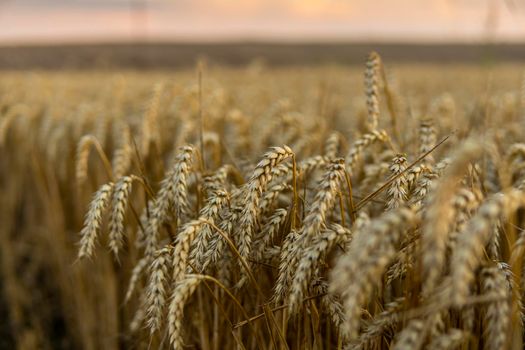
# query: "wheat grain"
{"type": "Point", "coordinates": [427, 139]}
{"type": "Point", "coordinates": [311, 259]}
{"type": "Point", "coordinates": [497, 315]}
{"type": "Point", "coordinates": [83, 148]}
{"type": "Point", "coordinates": [397, 192]}
{"type": "Point", "coordinates": [410, 337]}
{"type": "Point", "coordinates": [150, 131]}
{"type": "Point", "coordinates": [93, 220]}
{"type": "Point", "coordinates": [357, 148]}
{"type": "Point", "coordinates": [181, 294]}
{"type": "Point", "coordinates": [269, 232]}
{"type": "Point", "coordinates": [172, 196]}
{"type": "Point", "coordinates": [373, 64]}
{"type": "Point", "coordinates": [209, 213]}
{"type": "Point", "coordinates": [156, 291]}
{"type": "Point", "coordinates": [257, 184]}
{"type": "Point", "coordinates": [473, 239]}
{"type": "Point", "coordinates": [288, 258]}
{"type": "Point", "coordinates": [182, 247]}
{"type": "Point", "coordinates": [119, 203]}
{"type": "Point", "coordinates": [439, 215]}
{"type": "Point", "coordinates": [365, 261]}
{"type": "Point", "coordinates": [135, 276]}
{"type": "Point", "coordinates": [385, 321]}
{"type": "Point", "coordinates": [122, 157]}
{"type": "Point", "coordinates": [450, 340]}
{"type": "Point", "coordinates": [332, 145]}
{"type": "Point", "coordinates": [323, 202]}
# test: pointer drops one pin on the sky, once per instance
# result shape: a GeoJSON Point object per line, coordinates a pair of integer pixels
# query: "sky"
{"type": "Point", "coordinates": [44, 21]}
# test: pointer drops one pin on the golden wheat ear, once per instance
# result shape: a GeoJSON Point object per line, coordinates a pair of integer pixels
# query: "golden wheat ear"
{"type": "Point", "coordinates": [93, 221]}
{"type": "Point", "coordinates": [373, 64]}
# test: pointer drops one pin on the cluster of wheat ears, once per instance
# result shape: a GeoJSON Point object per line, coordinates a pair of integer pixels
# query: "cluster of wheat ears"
{"type": "Point", "coordinates": [327, 240]}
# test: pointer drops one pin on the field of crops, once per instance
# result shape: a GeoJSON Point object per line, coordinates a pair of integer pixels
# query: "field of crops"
{"type": "Point", "coordinates": [323, 207]}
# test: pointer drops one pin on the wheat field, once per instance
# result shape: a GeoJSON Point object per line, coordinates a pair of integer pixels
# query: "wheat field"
{"type": "Point", "coordinates": [323, 207]}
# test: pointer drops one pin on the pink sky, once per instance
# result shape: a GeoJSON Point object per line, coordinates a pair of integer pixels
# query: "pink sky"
{"type": "Point", "coordinates": [210, 20]}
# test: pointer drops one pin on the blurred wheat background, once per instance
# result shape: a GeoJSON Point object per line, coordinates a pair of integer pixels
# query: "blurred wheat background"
{"type": "Point", "coordinates": [356, 184]}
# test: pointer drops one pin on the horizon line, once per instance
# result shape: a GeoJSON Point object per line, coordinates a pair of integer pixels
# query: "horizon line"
{"type": "Point", "coordinates": [116, 41]}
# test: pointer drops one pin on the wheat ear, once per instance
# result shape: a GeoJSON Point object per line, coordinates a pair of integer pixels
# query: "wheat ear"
{"type": "Point", "coordinates": [181, 294]}
{"type": "Point", "coordinates": [440, 214]}
{"type": "Point", "coordinates": [397, 191]}
{"type": "Point", "coordinates": [156, 290]}
{"type": "Point", "coordinates": [119, 203]}
{"type": "Point", "coordinates": [172, 196]}
{"type": "Point", "coordinates": [370, 252]}
{"type": "Point", "coordinates": [373, 64]}
{"type": "Point", "coordinates": [359, 145]}
{"type": "Point", "coordinates": [310, 261]}
{"type": "Point", "coordinates": [497, 314]}
{"type": "Point", "coordinates": [256, 186]}
{"type": "Point", "coordinates": [472, 241]}
{"type": "Point", "coordinates": [93, 220]}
